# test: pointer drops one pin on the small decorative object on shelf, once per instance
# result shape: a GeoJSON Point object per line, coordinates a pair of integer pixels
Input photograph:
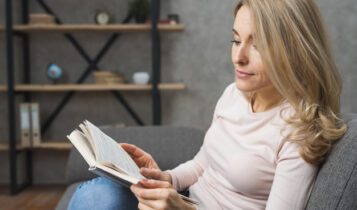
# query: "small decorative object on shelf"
{"type": "Point", "coordinates": [171, 22]}
{"type": "Point", "coordinates": [107, 78]}
{"type": "Point", "coordinates": [41, 18]}
{"type": "Point", "coordinates": [140, 10]}
{"type": "Point", "coordinates": [141, 78]}
{"type": "Point", "coordinates": [54, 72]}
{"type": "Point", "coordinates": [102, 17]}
{"type": "Point", "coordinates": [174, 18]}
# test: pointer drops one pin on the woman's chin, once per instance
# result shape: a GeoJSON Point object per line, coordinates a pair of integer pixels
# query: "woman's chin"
{"type": "Point", "coordinates": [242, 87]}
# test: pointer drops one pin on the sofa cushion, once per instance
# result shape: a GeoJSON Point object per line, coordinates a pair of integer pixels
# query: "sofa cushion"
{"type": "Point", "coordinates": [169, 146]}
{"type": "Point", "coordinates": [336, 183]}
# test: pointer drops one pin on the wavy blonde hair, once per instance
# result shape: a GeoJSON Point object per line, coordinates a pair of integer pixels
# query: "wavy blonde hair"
{"type": "Point", "coordinates": [292, 41]}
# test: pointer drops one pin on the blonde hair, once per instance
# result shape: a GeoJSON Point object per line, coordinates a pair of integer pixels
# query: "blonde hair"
{"type": "Point", "coordinates": [292, 41]}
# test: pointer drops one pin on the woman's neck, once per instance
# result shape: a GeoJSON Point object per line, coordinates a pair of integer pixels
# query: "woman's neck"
{"type": "Point", "coordinates": [266, 99]}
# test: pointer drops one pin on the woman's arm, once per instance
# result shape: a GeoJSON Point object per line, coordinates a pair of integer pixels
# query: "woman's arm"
{"type": "Point", "coordinates": [293, 180]}
{"type": "Point", "coordinates": [187, 173]}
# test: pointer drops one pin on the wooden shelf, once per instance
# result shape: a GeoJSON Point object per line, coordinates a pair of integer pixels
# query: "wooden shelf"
{"type": "Point", "coordinates": [5, 147]}
{"type": "Point", "coordinates": [93, 87]}
{"type": "Point", "coordinates": [55, 145]}
{"type": "Point", "coordinates": [43, 145]}
{"type": "Point", "coordinates": [122, 28]}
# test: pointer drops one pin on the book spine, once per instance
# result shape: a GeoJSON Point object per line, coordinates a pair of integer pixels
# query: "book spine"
{"type": "Point", "coordinates": [35, 119]}
{"type": "Point", "coordinates": [25, 123]}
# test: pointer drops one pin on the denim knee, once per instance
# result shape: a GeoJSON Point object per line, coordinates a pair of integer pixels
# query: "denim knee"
{"type": "Point", "coordinates": [102, 194]}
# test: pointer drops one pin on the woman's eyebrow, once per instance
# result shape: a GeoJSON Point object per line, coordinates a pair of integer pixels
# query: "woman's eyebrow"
{"type": "Point", "coordinates": [236, 32]}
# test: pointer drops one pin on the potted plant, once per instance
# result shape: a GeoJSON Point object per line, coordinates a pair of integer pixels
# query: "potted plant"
{"type": "Point", "coordinates": [140, 10]}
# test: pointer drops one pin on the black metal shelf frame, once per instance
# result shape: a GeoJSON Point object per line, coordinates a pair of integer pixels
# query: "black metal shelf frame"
{"type": "Point", "coordinates": [92, 65]}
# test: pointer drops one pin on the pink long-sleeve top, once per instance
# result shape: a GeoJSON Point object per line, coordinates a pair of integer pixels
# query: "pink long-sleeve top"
{"type": "Point", "coordinates": [244, 162]}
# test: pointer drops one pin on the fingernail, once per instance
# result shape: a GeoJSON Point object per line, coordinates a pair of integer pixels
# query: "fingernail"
{"type": "Point", "coordinates": [145, 181]}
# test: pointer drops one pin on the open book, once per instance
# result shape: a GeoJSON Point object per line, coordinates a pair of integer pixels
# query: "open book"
{"type": "Point", "coordinates": [106, 157]}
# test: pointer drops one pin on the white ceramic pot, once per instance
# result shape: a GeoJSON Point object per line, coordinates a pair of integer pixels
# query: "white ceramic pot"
{"type": "Point", "coordinates": [141, 78]}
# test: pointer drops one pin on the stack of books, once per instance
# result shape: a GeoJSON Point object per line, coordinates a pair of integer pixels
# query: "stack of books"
{"type": "Point", "coordinates": [30, 124]}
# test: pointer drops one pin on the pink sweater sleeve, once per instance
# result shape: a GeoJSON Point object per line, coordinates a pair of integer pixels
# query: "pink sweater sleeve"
{"type": "Point", "coordinates": [187, 173]}
{"type": "Point", "coordinates": [293, 180]}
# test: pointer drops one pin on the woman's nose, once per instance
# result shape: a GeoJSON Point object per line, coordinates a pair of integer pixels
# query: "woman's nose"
{"type": "Point", "coordinates": [241, 56]}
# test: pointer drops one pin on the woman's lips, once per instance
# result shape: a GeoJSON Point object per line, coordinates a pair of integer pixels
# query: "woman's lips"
{"type": "Point", "coordinates": [241, 74]}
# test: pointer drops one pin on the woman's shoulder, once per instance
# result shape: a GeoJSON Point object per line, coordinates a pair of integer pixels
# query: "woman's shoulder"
{"type": "Point", "coordinates": [229, 99]}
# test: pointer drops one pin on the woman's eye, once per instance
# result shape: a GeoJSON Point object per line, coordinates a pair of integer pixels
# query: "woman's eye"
{"type": "Point", "coordinates": [236, 42]}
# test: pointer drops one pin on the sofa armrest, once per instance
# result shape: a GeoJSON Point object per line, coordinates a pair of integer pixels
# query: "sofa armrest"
{"type": "Point", "coordinates": [335, 185]}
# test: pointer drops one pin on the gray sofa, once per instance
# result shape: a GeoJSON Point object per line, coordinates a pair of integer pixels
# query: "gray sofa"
{"type": "Point", "coordinates": [335, 186]}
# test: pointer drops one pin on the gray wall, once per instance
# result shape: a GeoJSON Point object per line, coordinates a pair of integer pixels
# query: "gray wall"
{"type": "Point", "coordinates": [198, 57]}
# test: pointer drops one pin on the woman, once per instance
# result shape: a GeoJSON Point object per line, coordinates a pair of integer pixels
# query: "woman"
{"type": "Point", "coordinates": [271, 128]}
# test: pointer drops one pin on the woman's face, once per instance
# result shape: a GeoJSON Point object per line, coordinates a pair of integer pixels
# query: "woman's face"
{"type": "Point", "coordinates": [250, 74]}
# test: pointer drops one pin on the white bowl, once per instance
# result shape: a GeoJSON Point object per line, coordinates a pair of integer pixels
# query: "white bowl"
{"type": "Point", "coordinates": [141, 78]}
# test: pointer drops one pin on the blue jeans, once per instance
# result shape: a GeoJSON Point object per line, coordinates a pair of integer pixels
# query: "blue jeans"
{"type": "Point", "coordinates": [103, 194]}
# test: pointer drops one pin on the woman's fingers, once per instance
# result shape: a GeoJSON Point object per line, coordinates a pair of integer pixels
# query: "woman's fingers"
{"type": "Point", "coordinates": [160, 196]}
{"type": "Point", "coordinates": [151, 194]}
{"type": "Point", "coordinates": [152, 204]}
{"type": "Point", "coordinates": [143, 206]}
{"type": "Point", "coordinates": [141, 158]}
{"type": "Point", "coordinates": [151, 173]}
{"type": "Point", "coordinates": [132, 150]}
{"type": "Point", "coordinates": [151, 183]}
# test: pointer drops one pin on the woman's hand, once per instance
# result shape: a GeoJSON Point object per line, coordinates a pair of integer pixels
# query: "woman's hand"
{"type": "Point", "coordinates": [159, 195]}
{"type": "Point", "coordinates": [148, 166]}
{"type": "Point", "coordinates": [140, 157]}
{"type": "Point", "coordinates": [156, 174]}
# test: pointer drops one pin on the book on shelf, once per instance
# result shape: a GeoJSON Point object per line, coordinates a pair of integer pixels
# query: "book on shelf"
{"type": "Point", "coordinates": [106, 157]}
{"type": "Point", "coordinates": [30, 124]}
{"type": "Point", "coordinates": [25, 124]}
{"type": "Point", "coordinates": [35, 125]}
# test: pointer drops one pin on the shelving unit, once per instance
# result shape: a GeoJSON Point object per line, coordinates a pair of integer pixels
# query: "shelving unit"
{"type": "Point", "coordinates": [91, 87]}
{"type": "Point", "coordinates": [54, 145]}
{"type": "Point", "coordinates": [90, 28]}
{"type": "Point", "coordinates": [43, 145]}
{"type": "Point", "coordinates": [27, 89]}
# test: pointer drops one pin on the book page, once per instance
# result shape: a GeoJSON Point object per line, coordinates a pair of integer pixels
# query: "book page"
{"type": "Point", "coordinates": [108, 150]}
{"type": "Point", "coordinates": [89, 137]}
{"type": "Point", "coordinates": [83, 146]}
